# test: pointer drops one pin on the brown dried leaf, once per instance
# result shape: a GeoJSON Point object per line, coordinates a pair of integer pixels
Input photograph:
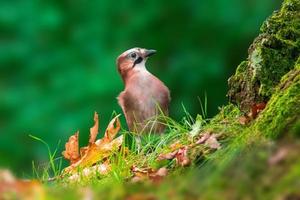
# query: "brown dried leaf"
{"type": "Point", "coordinates": [72, 153]}
{"type": "Point", "coordinates": [212, 142]}
{"type": "Point", "coordinates": [209, 140]}
{"type": "Point", "coordinates": [112, 129]}
{"type": "Point", "coordinates": [142, 174]}
{"type": "Point", "coordinates": [173, 150]}
{"type": "Point", "coordinates": [203, 138]}
{"type": "Point", "coordinates": [95, 151]}
{"type": "Point", "coordinates": [83, 151]}
{"type": "Point", "coordinates": [180, 155]}
{"type": "Point", "coordinates": [94, 129]}
{"type": "Point", "coordinates": [182, 158]}
{"type": "Point", "coordinates": [167, 156]}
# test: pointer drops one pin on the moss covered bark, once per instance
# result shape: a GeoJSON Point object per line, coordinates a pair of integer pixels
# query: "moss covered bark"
{"type": "Point", "coordinates": [271, 74]}
{"type": "Point", "coordinates": [272, 55]}
{"type": "Point", "coordinates": [283, 110]}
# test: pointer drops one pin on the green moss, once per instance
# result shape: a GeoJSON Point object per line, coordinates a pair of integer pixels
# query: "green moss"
{"type": "Point", "coordinates": [283, 109]}
{"type": "Point", "coordinates": [272, 54]}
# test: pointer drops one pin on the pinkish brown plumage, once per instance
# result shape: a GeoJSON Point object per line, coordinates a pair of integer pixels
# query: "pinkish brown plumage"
{"type": "Point", "coordinates": [144, 94]}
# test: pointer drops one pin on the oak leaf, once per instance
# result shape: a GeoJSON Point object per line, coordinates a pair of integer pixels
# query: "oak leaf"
{"type": "Point", "coordinates": [97, 150]}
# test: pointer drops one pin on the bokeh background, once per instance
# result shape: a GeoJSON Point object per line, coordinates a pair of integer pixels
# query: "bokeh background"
{"type": "Point", "coordinates": [57, 62]}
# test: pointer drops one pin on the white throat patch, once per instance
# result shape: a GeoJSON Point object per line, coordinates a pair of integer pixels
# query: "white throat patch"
{"type": "Point", "coordinates": [140, 66]}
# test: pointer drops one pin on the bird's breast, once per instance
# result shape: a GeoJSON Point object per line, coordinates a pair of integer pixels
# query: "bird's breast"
{"type": "Point", "coordinates": [147, 90]}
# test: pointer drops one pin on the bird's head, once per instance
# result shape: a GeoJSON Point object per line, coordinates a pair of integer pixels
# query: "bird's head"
{"type": "Point", "coordinates": [133, 60]}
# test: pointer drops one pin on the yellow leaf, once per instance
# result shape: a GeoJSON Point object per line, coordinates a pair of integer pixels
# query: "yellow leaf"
{"type": "Point", "coordinates": [96, 151]}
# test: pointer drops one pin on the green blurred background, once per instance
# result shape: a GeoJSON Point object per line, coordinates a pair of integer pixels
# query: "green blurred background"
{"type": "Point", "coordinates": [57, 62]}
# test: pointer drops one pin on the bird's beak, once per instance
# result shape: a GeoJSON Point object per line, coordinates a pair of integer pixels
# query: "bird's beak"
{"type": "Point", "coordinates": [149, 52]}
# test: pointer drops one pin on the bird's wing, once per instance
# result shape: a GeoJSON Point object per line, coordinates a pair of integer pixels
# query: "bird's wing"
{"type": "Point", "coordinates": [135, 112]}
{"type": "Point", "coordinates": [124, 102]}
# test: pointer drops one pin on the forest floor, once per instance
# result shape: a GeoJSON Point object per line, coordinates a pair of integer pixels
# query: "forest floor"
{"type": "Point", "coordinates": [249, 150]}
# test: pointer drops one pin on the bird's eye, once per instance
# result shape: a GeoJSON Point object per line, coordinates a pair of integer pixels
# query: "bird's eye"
{"type": "Point", "coordinates": [132, 55]}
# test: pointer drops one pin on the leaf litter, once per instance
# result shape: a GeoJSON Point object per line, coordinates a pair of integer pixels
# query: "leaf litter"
{"type": "Point", "coordinates": [181, 152]}
{"type": "Point", "coordinates": [93, 157]}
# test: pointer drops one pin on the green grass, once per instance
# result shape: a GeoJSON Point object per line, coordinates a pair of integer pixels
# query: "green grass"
{"type": "Point", "coordinates": [53, 167]}
{"type": "Point", "coordinates": [223, 174]}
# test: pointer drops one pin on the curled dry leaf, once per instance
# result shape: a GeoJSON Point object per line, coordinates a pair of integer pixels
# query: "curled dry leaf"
{"type": "Point", "coordinates": [203, 138]}
{"type": "Point", "coordinates": [72, 153]}
{"type": "Point", "coordinates": [142, 174]}
{"type": "Point", "coordinates": [94, 129]}
{"type": "Point", "coordinates": [111, 131]}
{"type": "Point", "coordinates": [182, 158]}
{"type": "Point", "coordinates": [174, 147]}
{"type": "Point", "coordinates": [97, 153]}
{"type": "Point", "coordinates": [210, 140]}
{"type": "Point", "coordinates": [180, 155]}
{"type": "Point", "coordinates": [167, 156]}
{"type": "Point", "coordinates": [96, 150]}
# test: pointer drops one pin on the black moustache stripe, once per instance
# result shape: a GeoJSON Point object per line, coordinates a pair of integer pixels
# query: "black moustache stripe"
{"type": "Point", "coordinates": [137, 61]}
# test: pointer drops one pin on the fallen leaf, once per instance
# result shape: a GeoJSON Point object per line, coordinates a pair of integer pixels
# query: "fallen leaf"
{"type": "Point", "coordinates": [180, 155]}
{"type": "Point", "coordinates": [212, 142]}
{"type": "Point", "coordinates": [167, 156]}
{"type": "Point", "coordinates": [111, 130]}
{"type": "Point", "coordinates": [94, 129]}
{"type": "Point", "coordinates": [96, 150]}
{"type": "Point", "coordinates": [209, 139]}
{"type": "Point", "coordinates": [96, 153]}
{"type": "Point", "coordinates": [203, 138]}
{"type": "Point", "coordinates": [182, 158]}
{"type": "Point", "coordinates": [142, 174]}
{"type": "Point", "coordinates": [72, 153]}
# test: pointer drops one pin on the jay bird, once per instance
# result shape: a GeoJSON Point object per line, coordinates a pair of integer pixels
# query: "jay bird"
{"type": "Point", "coordinates": [144, 96]}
